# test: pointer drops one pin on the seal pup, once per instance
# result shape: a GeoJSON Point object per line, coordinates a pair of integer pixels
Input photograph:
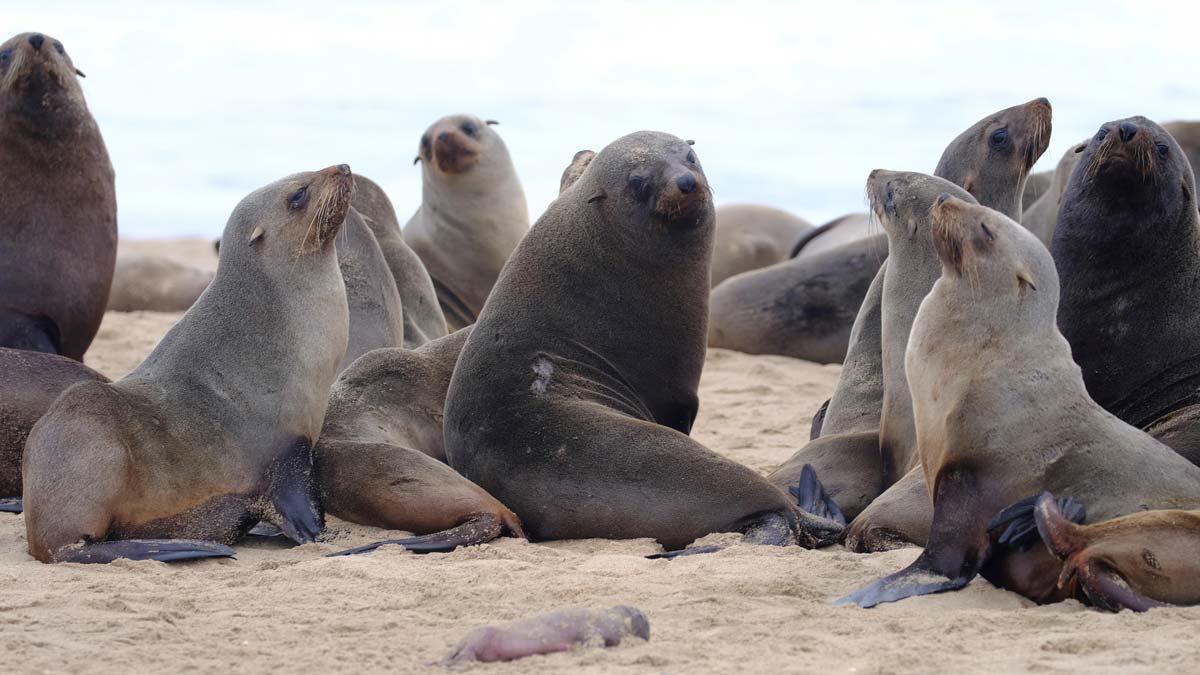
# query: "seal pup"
{"type": "Point", "coordinates": [1127, 246]}
{"type": "Point", "coordinates": [558, 631]}
{"type": "Point", "coordinates": [1039, 216]}
{"type": "Point", "coordinates": [472, 213]}
{"type": "Point", "coordinates": [59, 212]}
{"type": "Point", "coordinates": [31, 383]}
{"type": "Point", "coordinates": [1140, 561]}
{"type": "Point", "coordinates": [213, 431]}
{"type": "Point", "coordinates": [1001, 410]}
{"type": "Point", "coordinates": [750, 236]}
{"type": "Point", "coordinates": [376, 317]}
{"type": "Point", "coordinates": [423, 319]}
{"type": "Point", "coordinates": [577, 419]}
{"type": "Point", "coordinates": [154, 284]}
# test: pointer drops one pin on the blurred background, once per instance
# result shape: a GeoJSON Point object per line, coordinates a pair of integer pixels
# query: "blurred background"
{"type": "Point", "coordinates": [790, 104]}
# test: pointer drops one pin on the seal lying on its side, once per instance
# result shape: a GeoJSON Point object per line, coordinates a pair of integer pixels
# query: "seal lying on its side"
{"type": "Point", "coordinates": [214, 430]}
{"type": "Point", "coordinates": [1002, 413]}
{"type": "Point", "coordinates": [577, 418]}
{"type": "Point", "coordinates": [552, 632]}
{"type": "Point", "coordinates": [148, 283]}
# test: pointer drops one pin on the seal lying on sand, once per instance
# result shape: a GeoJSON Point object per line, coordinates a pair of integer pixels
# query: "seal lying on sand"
{"type": "Point", "coordinates": [153, 284]}
{"type": "Point", "coordinates": [58, 216]}
{"type": "Point", "coordinates": [838, 232]}
{"type": "Point", "coordinates": [577, 418]}
{"type": "Point", "coordinates": [1002, 413]}
{"type": "Point", "coordinates": [472, 213]}
{"type": "Point", "coordinates": [214, 430]}
{"type": "Point", "coordinates": [750, 236]}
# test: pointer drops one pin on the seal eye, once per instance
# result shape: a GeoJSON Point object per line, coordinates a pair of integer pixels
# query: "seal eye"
{"type": "Point", "coordinates": [1100, 135]}
{"type": "Point", "coordinates": [59, 48]}
{"type": "Point", "coordinates": [987, 232]}
{"type": "Point", "coordinates": [999, 137]}
{"type": "Point", "coordinates": [425, 145]}
{"type": "Point", "coordinates": [5, 56]}
{"type": "Point", "coordinates": [299, 198]}
{"type": "Point", "coordinates": [691, 158]}
{"type": "Point", "coordinates": [640, 187]}
{"type": "Point", "coordinates": [470, 129]}
{"type": "Point", "coordinates": [1162, 150]}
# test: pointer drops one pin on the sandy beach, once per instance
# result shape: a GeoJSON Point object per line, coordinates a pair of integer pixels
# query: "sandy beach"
{"type": "Point", "coordinates": [744, 609]}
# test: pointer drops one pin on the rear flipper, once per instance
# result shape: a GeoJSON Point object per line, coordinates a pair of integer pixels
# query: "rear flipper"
{"type": "Point", "coordinates": [294, 495]}
{"type": "Point", "coordinates": [919, 578]}
{"type": "Point", "coordinates": [811, 496]}
{"type": "Point", "coordinates": [162, 550]}
{"type": "Point", "coordinates": [777, 529]}
{"type": "Point", "coordinates": [691, 550]}
{"type": "Point", "coordinates": [479, 529]}
{"type": "Point", "coordinates": [11, 505]}
{"type": "Point", "coordinates": [31, 333]}
{"type": "Point", "coordinates": [265, 530]}
{"type": "Point", "coordinates": [1018, 526]}
{"type": "Point", "coordinates": [1105, 588]}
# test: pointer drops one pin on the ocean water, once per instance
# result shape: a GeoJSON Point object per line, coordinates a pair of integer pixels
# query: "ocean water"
{"type": "Point", "coordinates": [790, 104]}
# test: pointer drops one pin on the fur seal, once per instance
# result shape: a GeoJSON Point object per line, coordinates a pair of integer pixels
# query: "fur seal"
{"type": "Point", "coordinates": [1002, 413]}
{"type": "Point", "coordinates": [750, 236]}
{"type": "Point", "coordinates": [1035, 186]}
{"type": "Point", "coordinates": [32, 382]}
{"type": "Point", "coordinates": [1127, 245]}
{"type": "Point", "coordinates": [423, 319]}
{"type": "Point", "coordinates": [837, 232]}
{"type": "Point", "coordinates": [1187, 135]}
{"type": "Point", "coordinates": [472, 213]}
{"type": "Point", "coordinates": [59, 212]}
{"type": "Point", "coordinates": [376, 317]}
{"type": "Point", "coordinates": [577, 419]}
{"type": "Point", "coordinates": [1039, 216]}
{"type": "Point", "coordinates": [1143, 560]}
{"type": "Point", "coordinates": [558, 631]}
{"type": "Point", "coordinates": [213, 431]}
{"type": "Point", "coordinates": [150, 283]}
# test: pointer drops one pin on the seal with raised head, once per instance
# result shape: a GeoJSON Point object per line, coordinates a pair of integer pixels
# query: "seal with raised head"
{"type": "Point", "coordinates": [472, 213]}
{"type": "Point", "coordinates": [376, 315]}
{"type": "Point", "coordinates": [750, 236]}
{"type": "Point", "coordinates": [154, 284]}
{"type": "Point", "coordinates": [1002, 413]}
{"type": "Point", "coordinates": [423, 319]}
{"type": "Point", "coordinates": [578, 418]}
{"type": "Point", "coordinates": [1039, 216]}
{"type": "Point", "coordinates": [31, 383]}
{"type": "Point", "coordinates": [58, 217]}
{"type": "Point", "coordinates": [213, 432]}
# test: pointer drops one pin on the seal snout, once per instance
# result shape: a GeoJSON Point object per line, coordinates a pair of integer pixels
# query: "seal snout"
{"type": "Point", "coordinates": [686, 183]}
{"type": "Point", "coordinates": [454, 152]}
{"type": "Point", "coordinates": [37, 39]}
{"type": "Point", "coordinates": [684, 199]}
{"type": "Point", "coordinates": [1127, 130]}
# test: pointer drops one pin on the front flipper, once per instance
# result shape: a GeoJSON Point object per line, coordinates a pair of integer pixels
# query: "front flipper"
{"type": "Point", "coordinates": [1105, 587]}
{"type": "Point", "coordinates": [162, 550]}
{"type": "Point", "coordinates": [1020, 526]}
{"type": "Point", "coordinates": [480, 529]}
{"type": "Point", "coordinates": [11, 505]}
{"type": "Point", "coordinates": [818, 421]}
{"type": "Point", "coordinates": [958, 545]}
{"type": "Point", "coordinates": [295, 498]}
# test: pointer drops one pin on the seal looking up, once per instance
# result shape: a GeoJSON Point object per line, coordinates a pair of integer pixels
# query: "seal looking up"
{"type": "Point", "coordinates": [213, 431]}
{"type": "Point", "coordinates": [577, 418]}
{"type": "Point", "coordinates": [472, 213]}
{"type": "Point", "coordinates": [58, 216]}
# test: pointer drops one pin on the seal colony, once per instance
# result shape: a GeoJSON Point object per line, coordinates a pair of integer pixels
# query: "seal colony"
{"type": "Point", "coordinates": [468, 377]}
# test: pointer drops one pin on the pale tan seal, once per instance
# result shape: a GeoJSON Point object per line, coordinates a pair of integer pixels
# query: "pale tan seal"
{"type": "Point", "coordinates": [558, 631]}
{"type": "Point", "coordinates": [472, 213]}
{"type": "Point", "coordinates": [1039, 216]}
{"type": "Point", "coordinates": [154, 284]}
{"type": "Point", "coordinates": [58, 216]}
{"type": "Point", "coordinates": [214, 430]}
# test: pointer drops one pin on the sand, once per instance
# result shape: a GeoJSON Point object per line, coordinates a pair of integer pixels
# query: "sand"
{"type": "Point", "coordinates": [745, 609]}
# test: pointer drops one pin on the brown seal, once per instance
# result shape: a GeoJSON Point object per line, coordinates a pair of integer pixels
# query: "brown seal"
{"type": "Point", "coordinates": [154, 284]}
{"type": "Point", "coordinates": [31, 382]}
{"type": "Point", "coordinates": [423, 319]}
{"type": "Point", "coordinates": [751, 236]}
{"type": "Point", "coordinates": [579, 163]}
{"type": "Point", "coordinates": [376, 315]}
{"type": "Point", "coordinates": [833, 234]}
{"type": "Point", "coordinates": [1035, 186]}
{"type": "Point", "coordinates": [1039, 216]}
{"type": "Point", "coordinates": [558, 631]}
{"type": "Point", "coordinates": [381, 458]}
{"type": "Point", "coordinates": [213, 431]}
{"type": "Point", "coordinates": [472, 213]}
{"type": "Point", "coordinates": [1187, 135]}
{"type": "Point", "coordinates": [59, 212]}
{"type": "Point", "coordinates": [577, 418]}
{"type": "Point", "coordinates": [1002, 413]}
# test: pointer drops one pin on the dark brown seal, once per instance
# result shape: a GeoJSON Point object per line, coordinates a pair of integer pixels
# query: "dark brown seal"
{"type": "Point", "coordinates": [58, 216]}
{"type": "Point", "coordinates": [577, 418]}
{"type": "Point", "coordinates": [214, 430]}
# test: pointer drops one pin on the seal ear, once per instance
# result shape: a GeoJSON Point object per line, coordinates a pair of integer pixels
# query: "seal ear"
{"type": "Point", "coordinates": [490, 122]}
{"type": "Point", "coordinates": [257, 234]}
{"type": "Point", "coordinates": [690, 142]}
{"type": "Point", "coordinates": [1081, 148]}
{"type": "Point", "coordinates": [1026, 278]}
{"type": "Point", "coordinates": [79, 73]}
{"type": "Point", "coordinates": [416, 159]}
{"type": "Point", "coordinates": [597, 197]}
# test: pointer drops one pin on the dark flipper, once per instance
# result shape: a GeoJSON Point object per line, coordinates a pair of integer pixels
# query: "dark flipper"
{"type": "Point", "coordinates": [294, 494]}
{"type": "Point", "coordinates": [31, 333]}
{"type": "Point", "coordinates": [265, 530]}
{"type": "Point", "coordinates": [1105, 588]}
{"type": "Point", "coordinates": [691, 550]}
{"type": "Point", "coordinates": [811, 496]}
{"type": "Point", "coordinates": [1020, 526]}
{"type": "Point", "coordinates": [162, 550]}
{"type": "Point", "coordinates": [958, 545]}
{"type": "Point", "coordinates": [480, 529]}
{"type": "Point", "coordinates": [818, 421]}
{"type": "Point", "coordinates": [11, 505]}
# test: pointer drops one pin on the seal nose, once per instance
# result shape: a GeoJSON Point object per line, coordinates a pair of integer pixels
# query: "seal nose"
{"type": "Point", "coordinates": [36, 40]}
{"type": "Point", "coordinates": [1042, 100]}
{"type": "Point", "coordinates": [686, 183]}
{"type": "Point", "coordinates": [343, 169]}
{"type": "Point", "coordinates": [942, 198]}
{"type": "Point", "coordinates": [1128, 131]}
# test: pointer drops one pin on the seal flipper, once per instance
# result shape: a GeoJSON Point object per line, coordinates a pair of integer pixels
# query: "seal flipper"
{"type": "Point", "coordinates": [479, 529]}
{"type": "Point", "coordinates": [162, 550]}
{"type": "Point", "coordinates": [958, 545]}
{"type": "Point", "coordinates": [30, 333]}
{"type": "Point", "coordinates": [1020, 524]}
{"type": "Point", "coordinates": [691, 550]}
{"type": "Point", "coordinates": [295, 498]}
{"type": "Point", "coordinates": [818, 421]}
{"type": "Point", "coordinates": [11, 505]}
{"type": "Point", "coordinates": [1105, 588]}
{"type": "Point", "coordinates": [811, 496]}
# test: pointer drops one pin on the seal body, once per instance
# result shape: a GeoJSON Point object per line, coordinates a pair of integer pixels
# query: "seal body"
{"type": "Point", "coordinates": [150, 283]}
{"type": "Point", "coordinates": [577, 418]}
{"type": "Point", "coordinates": [213, 431]}
{"type": "Point", "coordinates": [837, 232]}
{"type": "Point", "coordinates": [472, 213]}
{"type": "Point", "coordinates": [1040, 216]}
{"type": "Point", "coordinates": [423, 319]}
{"type": "Point", "coordinates": [750, 236]}
{"type": "Point", "coordinates": [558, 631]}
{"type": "Point", "coordinates": [58, 217]}
{"type": "Point", "coordinates": [376, 317]}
